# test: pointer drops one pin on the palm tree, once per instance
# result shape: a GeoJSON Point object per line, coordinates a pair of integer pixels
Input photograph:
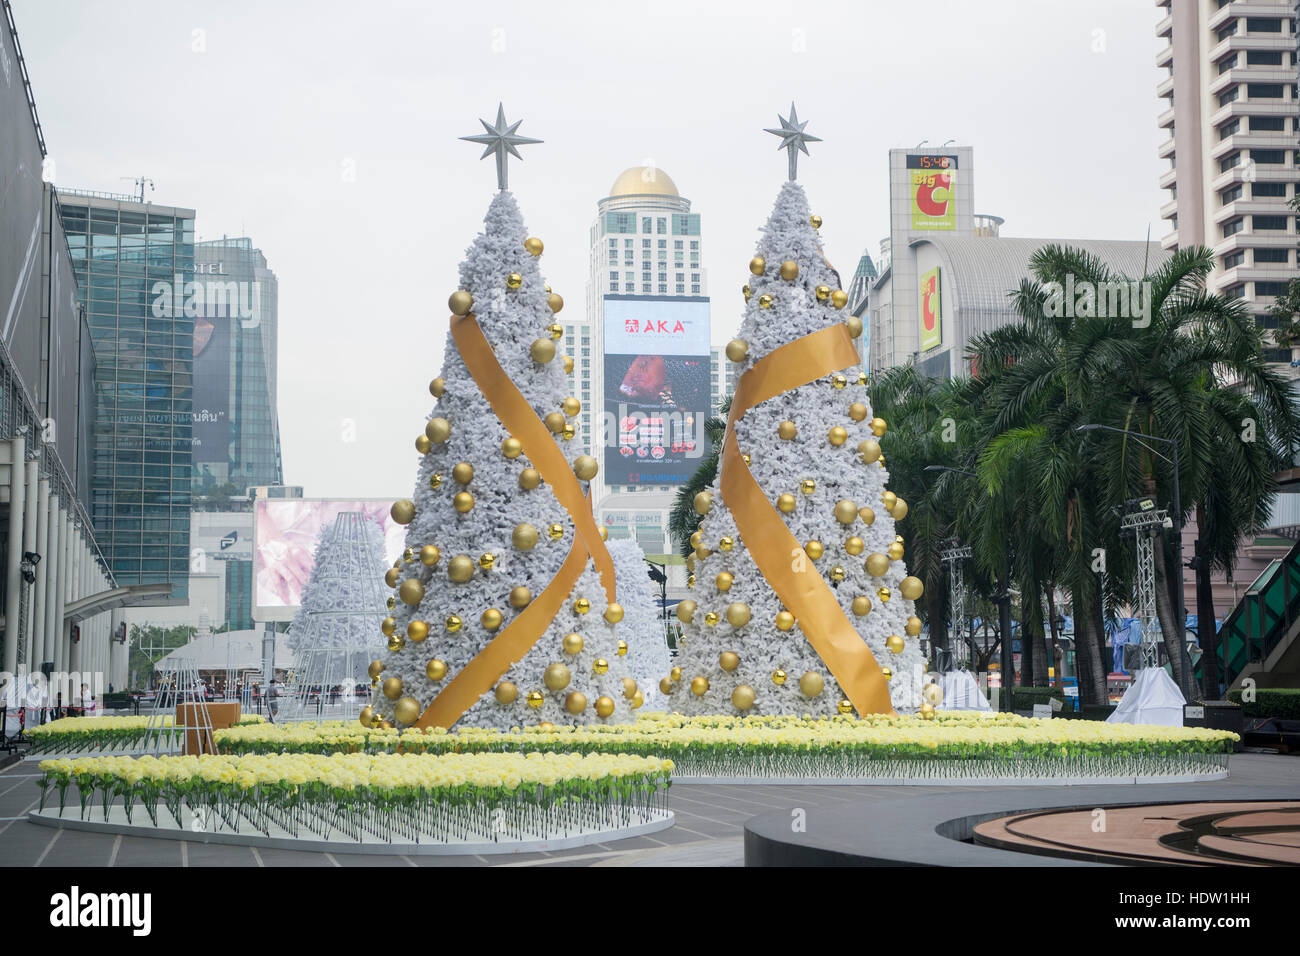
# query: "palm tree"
{"type": "Point", "coordinates": [682, 519]}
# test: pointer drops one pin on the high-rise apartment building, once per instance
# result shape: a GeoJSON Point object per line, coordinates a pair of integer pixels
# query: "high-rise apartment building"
{"type": "Point", "coordinates": [1232, 147]}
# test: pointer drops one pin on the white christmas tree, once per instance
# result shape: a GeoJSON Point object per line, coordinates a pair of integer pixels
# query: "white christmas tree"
{"type": "Point", "coordinates": [343, 601]}
{"type": "Point", "coordinates": [643, 624]}
{"type": "Point", "coordinates": [500, 616]}
{"type": "Point", "coordinates": [813, 453]}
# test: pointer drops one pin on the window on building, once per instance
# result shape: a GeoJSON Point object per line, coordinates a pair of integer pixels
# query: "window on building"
{"type": "Point", "coordinates": [1231, 195]}
{"type": "Point", "coordinates": [1229, 161]}
{"type": "Point", "coordinates": [1228, 129]}
{"type": "Point", "coordinates": [663, 288]}
{"type": "Point", "coordinates": [1232, 227]}
{"type": "Point", "coordinates": [1269, 223]}
{"type": "Point", "coordinates": [645, 288]}
{"type": "Point", "coordinates": [663, 243]}
{"type": "Point", "coordinates": [1264, 58]}
{"type": "Point", "coordinates": [695, 289]}
{"type": "Point", "coordinates": [1234, 260]}
{"type": "Point", "coordinates": [1272, 255]}
{"type": "Point", "coordinates": [629, 277]}
{"type": "Point", "coordinates": [1270, 288]}
{"type": "Point", "coordinates": [680, 288]}
{"type": "Point", "coordinates": [1267, 190]}
{"type": "Point", "coordinates": [645, 243]}
{"type": "Point", "coordinates": [1227, 64]}
{"type": "Point", "coordinates": [695, 245]}
{"type": "Point", "coordinates": [1271, 157]}
{"type": "Point", "coordinates": [613, 285]}
{"type": "Point", "coordinates": [1227, 31]}
{"type": "Point", "coordinates": [1227, 96]}
{"type": "Point", "coordinates": [1268, 124]}
{"type": "Point", "coordinates": [1237, 291]}
{"type": "Point", "coordinates": [661, 226]}
{"type": "Point", "coordinates": [677, 244]}
{"type": "Point", "coordinates": [1264, 91]}
{"type": "Point", "coordinates": [1263, 25]}
{"type": "Point", "coordinates": [620, 222]}
{"type": "Point", "coordinates": [695, 277]}
{"type": "Point", "coordinates": [687, 224]}
{"type": "Point", "coordinates": [645, 224]}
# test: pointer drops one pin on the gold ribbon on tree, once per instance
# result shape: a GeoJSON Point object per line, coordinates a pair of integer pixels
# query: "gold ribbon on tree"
{"type": "Point", "coordinates": [767, 539]}
{"type": "Point", "coordinates": [488, 666]}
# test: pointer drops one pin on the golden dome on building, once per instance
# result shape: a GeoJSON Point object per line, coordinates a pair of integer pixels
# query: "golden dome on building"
{"type": "Point", "coordinates": [642, 181]}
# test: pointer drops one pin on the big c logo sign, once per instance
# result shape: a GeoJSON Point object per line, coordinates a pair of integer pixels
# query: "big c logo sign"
{"type": "Point", "coordinates": [933, 192]}
{"type": "Point", "coordinates": [931, 311]}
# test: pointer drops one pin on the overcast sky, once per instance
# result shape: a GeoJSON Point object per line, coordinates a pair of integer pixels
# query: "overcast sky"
{"type": "Point", "coordinates": [327, 131]}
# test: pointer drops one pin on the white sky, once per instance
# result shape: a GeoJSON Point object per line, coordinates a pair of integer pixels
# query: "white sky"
{"type": "Point", "coordinates": [1057, 97]}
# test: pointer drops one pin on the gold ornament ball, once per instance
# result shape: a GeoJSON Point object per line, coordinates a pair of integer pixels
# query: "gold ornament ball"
{"type": "Point", "coordinates": [700, 686]}
{"type": "Point", "coordinates": [862, 378]}
{"type": "Point", "coordinates": [581, 606]}
{"type": "Point", "coordinates": [823, 292]}
{"type": "Point", "coordinates": [746, 291]}
{"type": "Point", "coordinates": [533, 245]}
{"type": "Point", "coordinates": [555, 302]}
{"type": "Point", "coordinates": [460, 568]}
{"type": "Point", "coordinates": [529, 479]}
{"type": "Point", "coordinates": [437, 387]}
{"type": "Point", "coordinates": [858, 412]}
{"type": "Point", "coordinates": [411, 592]}
{"type": "Point", "coordinates": [535, 699]}
{"type": "Point", "coordinates": [839, 382]}
{"type": "Point", "coordinates": [524, 537]}
{"type": "Point", "coordinates": [491, 619]}
{"type": "Point", "coordinates": [784, 620]}
{"type": "Point", "coordinates": [600, 666]}
{"type": "Point", "coordinates": [556, 677]}
{"type": "Point", "coordinates": [723, 581]}
{"type": "Point", "coordinates": [839, 298]}
{"type": "Point", "coordinates": [665, 686]}
{"type": "Point", "coordinates": [585, 467]}
{"type": "Point", "coordinates": [807, 486]}
{"type": "Point", "coordinates": [728, 660]}
{"type": "Point", "coordinates": [888, 674]}
{"type": "Point", "coordinates": [737, 350]}
{"type": "Point", "coordinates": [366, 716]}
{"type": "Point", "coordinates": [604, 706]}
{"type": "Point", "coordinates": [417, 631]}
{"type": "Point", "coordinates": [520, 596]}
{"type": "Point", "coordinates": [765, 301]}
{"type": "Point", "coordinates": [814, 549]}
{"type": "Point", "coordinates": [392, 576]}
{"type": "Point", "coordinates": [604, 533]}
{"type": "Point", "coordinates": [435, 481]}
{"type": "Point", "coordinates": [838, 435]}
{"type": "Point", "coordinates": [392, 688]}
{"type": "Point", "coordinates": [785, 503]}
{"type": "Point", "coordinates": [542, 350]}
{"type": "Point", "coordinates": [391, 603]}
{"type": "Point", "coordinates": [506, 692]}
{"type": "Point", "coordinates": [512, 448]}
{"type": "Point", "coordinates": [463, 473]}
{"type": "Point", "coordinates": [787, 430]}
{"type": "Point", "coordinates": [406, 710]}
{"type": "Point", "coordinates": [575, 703]}
{"type": "Point", "coordinates": [571, 406]}
{"type": "Point", "coordinates": [686, 611]}
{"type": "Point", "coordinates": [845, 707]}
{"type": "Point", "coordinates": [846, 511]}
{"type": "Point", "coordinates": [913, 626]}
{"type": "Point", "coordinates": [453, 623]}
{"type": "Point", "coordinates": [375, 669]}
{"type": "Point", "coordinates": [514, 280]}
{"type": "Point", "coordinates": [927, 711]}
{"type": "Point", "coordinates": [622, 649]}
{"type": "Point", "coordinates": [711, 619]}
{"type": "Point", "coordinates": [758, 265]}
{"type": "Point", "coordinates": [386, 725]}
{"type": "Point", "coordinates": [572, 644]}
{"type": "Point", "coordinates": [637, 700]}
{"type": "Point", "coordinates": [854, 545]}
{"type": "Point", "coordinates": [388, 626]}
{"type": "Point", "coordinates": [403, 511]}
{"type": "Point", "coordinates": [435, 670]}
{"type": "Point", "coordinates": [900, 510]}
{"type": "Point", "coordinates": [811, 684]}
{"type": "Point", "coordinates": [702, 502]}
{"type": "Point", "coordinates": [629, 688]}
{"type": "Point", "coordinates": [869, 450]}
{"type": "Point", "coordinates": [738, 614]}
{"type": "Point", "coordinates": [487, 561]}
{"type": "Point", "coordinates": [725, 543]}
{"type": "Point", "coordinates": [422, 444]}
{"type": "Point", "coordinates": [742, 698]}
{"type": "Point", "coordinates": [554, 422]}
{"type": "Point", "coordinates": [460, 302]}
{"type": "Point", "coordinates": [567, 432]}
{"type": "Point", "coordinates": [675, 674]}
{"type": "Point", "coordinates": [429, 555]}
{"type": "Point", "coordinates": [862, 605]}
{"type": "Point", "coordinates": [878, 427]}
{"type": "Point", "coordinates": [702, 552]}
{"type": "Point", "coordinates": [555, 532]}
{"type": "Point", "coordinates": [816, 221]}
{"type": "Point", "coordinates": [889, 499]}
{"type": "Point", "coordinates": [789, 270]}
{"type": "Point", "coordinates": [437, 430]}
{"type": "Point", "coordinates": [884, 594]}
{"type": "Point", "coordinates": [894, 643]}
{"type": "Point", "coordinates": [854, 325]}
{"type": "Point", "coordinates": [463, 502]}
{"type": "Point", "coordinates": [837, 574]}
{"type": "Point", "coordinates": [867, 515]}
{"type": "Point", "coordinates": [613, 613]}
{"type": "Point", "coordinates": [911, 587]}
{"type": "Point", "coordinates": [877, 564]}
{"type": "Point", "coordinates": [895, 552]}
{"type": "Point", "coordinates": [778, 677]}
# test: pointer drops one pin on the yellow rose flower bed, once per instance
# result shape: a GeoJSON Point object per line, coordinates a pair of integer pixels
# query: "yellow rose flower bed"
{"type": "Point", "coordinates": [447, 796]}
{"type": "Point", "coordinates": [88, 734]}
{"type": "Point", "coordinates": [954, 744]}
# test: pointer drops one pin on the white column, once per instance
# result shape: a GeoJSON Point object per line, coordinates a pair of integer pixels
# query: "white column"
{"type": "Point", "coordinates": [60, 592]}
{"type": "Point", "coordinates": [32, 469]}
{"type": "Point", "coordinates": [117, 652]}
{"type": "Point", "coordinates": [41, 589]}
{"type": "Point", "coordinates": [13, 565]}
{"type": "Point", "coordinates": [74, 655]}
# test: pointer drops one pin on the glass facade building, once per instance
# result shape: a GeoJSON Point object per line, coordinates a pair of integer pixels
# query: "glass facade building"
{"type": "Point", "coordinates": [134, 262]}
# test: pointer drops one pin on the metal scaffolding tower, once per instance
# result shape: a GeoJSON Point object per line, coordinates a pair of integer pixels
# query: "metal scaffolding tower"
{"type": "Point", "coordinates": [1145, 527]}
{"type": "Point", "coordinates": [954, 555]}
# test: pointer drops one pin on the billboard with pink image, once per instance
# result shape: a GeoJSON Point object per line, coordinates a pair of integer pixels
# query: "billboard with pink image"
{"type": "Point", "coordinates": [285, 533]}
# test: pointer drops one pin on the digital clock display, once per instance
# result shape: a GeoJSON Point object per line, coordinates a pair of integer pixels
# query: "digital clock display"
{"type": "Point", "coordinates": [929, 161]}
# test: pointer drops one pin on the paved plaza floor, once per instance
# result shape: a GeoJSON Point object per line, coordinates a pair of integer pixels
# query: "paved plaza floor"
{"type": "Point", "coordinates": [708, 829]}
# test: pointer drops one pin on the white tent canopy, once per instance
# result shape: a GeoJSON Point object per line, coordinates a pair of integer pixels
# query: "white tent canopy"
{"type": "Point", "coordinates": [1153, 698]}
{"type": "Point", "coordinates": [232, 650]}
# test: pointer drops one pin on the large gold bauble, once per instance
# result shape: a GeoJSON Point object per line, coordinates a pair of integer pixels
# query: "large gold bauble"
{"type": "Point", "coordinates": [895, 552]}
{"type": "Point", "coordinates": [811, 684]}
{"type": "Point", "coordinates": [604, 706]}
{"type": "Point", "coordinates": [460, 568]}
{"type": "Point", "coordinates": [927, 711]}
{"type": "Point", "coordinates": [742, 698]}
{"type": "Point", "coordinates": [723, 581]}
{"type": "Point", "coordinates": [437, 387]}
{"type": "Point", "coordinates": [490, 619]}
{"type": "Point", "coordinates": [417, 631]}
{"type": "Point", "coordinates": [738, 614]}
{"type": "Point", "coordinates": [460, 302]}
{"type": "Point", "coordinates": [533, 245]}
{"type": "Point", "coordinates": [837, 574]}
{"type": "Point", "coordinates": [524, 537]}
{"type": "Point", "coordinates": [778, 677]}
{"type": "Point", "coordinates": [506, 692]}
{"type": "Point", "coordinates": [839, 298]}
{"type": "Point", "coordinates": [403, 511]}
{"type": "Point", "coordinates": [878, 427]}
{"type": "Point", "coordinates": [411, 592]}
{"type": "Point", "coordinates": [375, 669]}
{"type": "Point", "coordinates": [823, 292]}
{"type": "Point", "coordinates": [629, 688]}
{"type": "Point", "coordinates": [889, 499]}
{"type": "Point", "coordinates": [737, 350]}
{"type": "Point", "coordinates": [568, 364]}
{"type": "Point", "coordinates": [392, 688]}
{"type": "Point", "coordinates": [816, 221]}
{"type": "Point", "coordinates": [435, 670]}
{"type": "Point", "coordinates": [571, 406]}
{"type": "Point", "coordinates": [572, 644]}
{"type": "Point", "coordinates": [838, 435]}
{"type": "Point", "coordinates": [520, 596]}
{"type": "Point", "coordinates": [877, 564]}
{"type": "Point", "coordinates": [675, 674]}
{"type": "Point", "coordinates": [554, 422]}
{"type": "Point", "coordinates": [702, 551]}
{"type": "Point", "coordinates": [512, 448]}
{"type": "Point", "coordinates": [846, 511]}
{"type": "Point", "coordinates": [600, 666]}
{"type": "Point", "coordinates": [785, 503]}
{"type": "Point", "coordinates": [765, 301]}
{"type": "Point", "coordinates": [366, 716]}
{"type": "Point", "coordinates": [581, 606]}
{"type": "Point", "coordinates": [406, 710]}
{"type": "Point", "coordinates": [557, 333]}
{"type": "Point", "coordinates": [807, 486]}
{"type": "Point", "coordinates": [854, 325]}
{"type": "Point", "coordinates": [556, 677]}
{"type": "Point", "coordinates": [555, 302]}
{"type": "Point", "coordinates": [894, 643]}
{"type": "Point", "coordinates": [900, 510]}
{"type": "Point", "coordinates": [437, 430]}
{"type": "Point", "coordinates": [665, 685]}
{"type": "Point", "coordinates": [613, 613]}
{"type": "Point", "coordinates": [575, 703]}
{"type": "Point", "coordinates": [884, 594]}
{"type": "Point", "coordinates": [913, 626]}
{"type": "Point", "coordinates": [585, 467]}
{"type": "Point", "coordinates": [542, 350]}
{"type": "Point", "coordinates": [867, 515]}
{"type": "Point", "coordinates": [726, 543]}
{"type": "Point", "coordinates": [814, 549]}
{"type": "Point", "coordinates": [839, 382]}
{"type": "Point", "coordinates": [699, 686]}
{"type": "Point", "coordinates": [862, 605]}
{"type": "Point", "coordinates": [514, 280]}
{"type": "Point", "coordinates": [430, 555]}
{"type": "Point", "coordinates": [870, 451]}
{"type": "Point", "coordinates": [787, 430]}
{"type": "Point", "coordinates": [622, 649]}
{"type": "Point", "coordinates": [463, 502]}
{"type": "Point", "coordinates": [422, 444]}
{"type": "Point", "coordinates": [697, 537]}
{"type": "Point", "coordinates": [686, 611]}
{"type": "Point", "coordinates": [712, 619]}
{"type": "Point", "coordinates": [911, 587]}
{"type": "Point", "coordinates": [784, 620]}
{"type": "Point", "coordinates": [463, 473]}
{"type": "Point", "coordinates": [453, 623]}
{"type": "Point", "coordinates": [638, 699]}
{"type": "Point", "coordinates": [854, 545]}
{"type": "Point", "coordinates": [702, 502]}
{"type": "Point", "coordinates": [858, 412]}
{"type": "Point", "coordinates": [758, 265]}
{"type": "Point", "coordinates": [535, 699]}
{"type": "Point", "coordinates": [789, 270]}
{"type": "Point", "coordinates": [567, 432]}
{"type": "Point", "coordinates": [555, 532]}
{"type": "Point", "coordinates": [388, 626]}
{"type": "Point", "coordinates": [392, 576]}
{"type": "Point", "coordinates": [529, 479]}
{"type": "Point", "coordinates": [728, 660]}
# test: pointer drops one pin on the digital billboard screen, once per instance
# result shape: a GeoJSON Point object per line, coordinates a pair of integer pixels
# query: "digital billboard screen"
{"type": "Point", "coordinates": [211, 436]}
{"type": "Point", "coordinates": [933, 191]}
{"type": "Point", "coordinates": [657, 388]}
{"type": "Point", "coordinates": [285, 534]}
